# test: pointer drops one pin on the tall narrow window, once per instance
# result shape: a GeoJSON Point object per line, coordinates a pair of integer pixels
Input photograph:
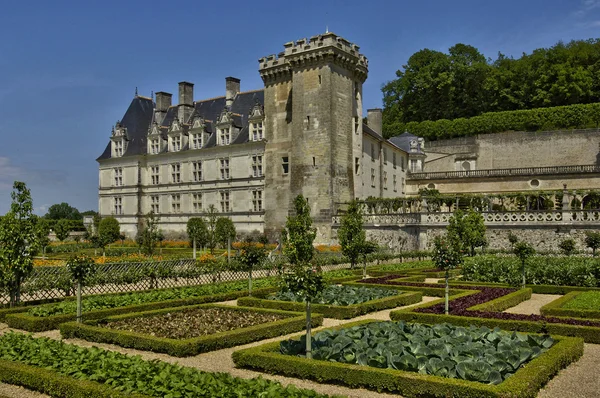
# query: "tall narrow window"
{"type": "Point", "coordinates": [402, 185]}
{"type": "Point", "coordinates": [119, 148]}
{"type": "Point", "coordinates": [357, 166]}
{"type": "Point", "coordinates": [257, 166]}
{"type": "Point", "coordinates": [402, 163]}
{"type": "Point", "coordinates": [385, 180]}
{"type": "Point", "coordinates": [176, 203]}
{"type": "Point", "coordinates": [394, 159]}
{"type": "Point", "coordinates": [224, 136]}
{"type": "Point", "coordinates": [356, 124]}
{"type": "Point", "coordinates": [373, 177]}
{"type": "Point", "coordinates": [118, 205]}
{"type": "Point", "coordinates": [224, 201]}
{"type": "Point", "coordinates": [285, 164]}
{"type": "Point", "coordinates": [176, 143]}
{"type": "Point", "coordinates": [118, 172]}
{"type": "Point", "coordinates": [395, 185]}
{"type": "Point", "coordinates": [155, 175]}
{"type": "Point", "coordinates": [197, 171]}
{"type": "Point", "coordinates": [197, 141]}
{"type": "Point", "coordinates": [257, 204]}
{"type": "Point", "coordinates": [197, 202]}
{"type": "Point", "coordinates": [413, 165]}
{"type": "Point", "coordinates": [372, 151]}
{"type": "Point", "coordinates": [384, 155]}
{"type": "Point", "coordinates": [176, 173]}
{"type": "Point", "coordinates": [155, 146]}
{"type": "Point", "coordinates": [257, 131]}
{"type": "Point", "coordinates": [224, 168]}
{"type": "Point", "coordinates": [155, 204]}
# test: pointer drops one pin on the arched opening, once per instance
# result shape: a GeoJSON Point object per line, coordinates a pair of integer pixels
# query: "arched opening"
{"type": "Point", "coordinates": [466, 166]}
{"type": "Point", "coordinates": [591, 201]}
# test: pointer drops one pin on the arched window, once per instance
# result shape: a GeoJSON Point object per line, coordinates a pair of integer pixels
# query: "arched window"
{"type": "Point", "coordinates": [466, 166]}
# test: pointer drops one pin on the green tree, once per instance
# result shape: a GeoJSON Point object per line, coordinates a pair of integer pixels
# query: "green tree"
{"type": "Point", "coordinates": [80, 267]}
{"type": "Point", "coordinates": [17, 241]}
{"type": "Point", "coordinates": [62, 229]}
{"type": "Point", "coordinates": [567, 247]}
{"type": "Point", "coordinates": [252, 255]}
{"type": "Point", "coordinates": [109, 231]}
{"type": "Point", "coordinates": [211, 223]}
{"type": "Point", "coordinates": [351, 234]}
{"type": "Point", "coordinates": [42, 234]}
{"type": "Point", "coordinates": [224, 231]}
{"type": "Point", "coordinates": [63, 211]}
{"type": "Point", "coordinates": [592, 240]}
{"type": "Point", "coordinates": [299, 234]}
{"type": "Point", "coordinates": [197, 232]}
{"type": "Point", "coordinates": [523, 251]}
{"type": "Point", "coordinates": [447, 256]}
{"type": "Point", "coordinates": [467, 230]}
{"type": "Point", "coordinates": [148, 234]}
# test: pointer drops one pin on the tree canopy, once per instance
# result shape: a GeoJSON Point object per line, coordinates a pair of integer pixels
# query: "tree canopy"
{"type": "Point", "coordinates": [63, 211]}
{"type": "Point", "coordinates": [463, 83]}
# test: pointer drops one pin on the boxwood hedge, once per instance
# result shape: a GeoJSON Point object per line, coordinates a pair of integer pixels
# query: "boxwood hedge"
{"type": "Point", "coordinates": [555, 308]}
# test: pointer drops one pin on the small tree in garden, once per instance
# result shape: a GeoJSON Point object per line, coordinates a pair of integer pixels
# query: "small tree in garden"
{"type": "Point", "coordinates": [148, 235]}
{"type": "Point", "coordinates": [197, 232]}
{"type": "Point", "coordinates": [62, 228]}
{"type": "Point", "coordinates": [523, 251]}
{"type": "Point", "coordinates": [251, 256]}
{"type": "Point", "coordinates": [351, 234]}
{"type": "Point", "coordinates": [367, 248]}
{"type": "Point", "coordinates": [17, 241]}
{"type": "Point", "coordinates": [592, 240]}
{"type": "Point", "coordinates": [567, 246]}
{"type": "Point", "coordinates": [42, 234]}
{"type": "Point", "coordinates": [211, 224]}
{"type": "Point", "coordinates": [109, 231]}
{"type": "Point", "coordinates": [446, 255]}
{"type": "Point", "coordinates": [468, 229]}
{"type": "Point", "coordinates": [80, 267]}
{"type": "Point", "coordinates": [224, 231]}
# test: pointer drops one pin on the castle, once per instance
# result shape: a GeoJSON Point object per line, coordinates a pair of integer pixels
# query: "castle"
{"type": "Point", "coordinates": [250, 153]}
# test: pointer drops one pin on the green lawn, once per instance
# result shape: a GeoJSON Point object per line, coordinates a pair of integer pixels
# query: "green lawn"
{"type": "Point", "coordinates": [585, 301]}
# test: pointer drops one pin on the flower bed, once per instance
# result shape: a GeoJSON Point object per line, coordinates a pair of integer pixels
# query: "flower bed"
{"type": "Point", "coordinates": [575, 304]}
{"type": "Point", "coordinates": [463, 311]}
{"type": "Point", "coordinates": [65, 370]}
{"type": "Point", "coordinates": [346, 341]}
{"type": "Point", "coordinates": [185, 331]}
{"type": "Point", "coordinates": [340, 311]}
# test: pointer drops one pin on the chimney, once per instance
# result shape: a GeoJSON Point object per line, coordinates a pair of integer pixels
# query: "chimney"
{"type": "Point", "coordinates": [232, 87]}
{"type": "Point", "coordinates": [375, 120]}
{"type": "Point", "coordinates": [186, 101]}
{"type": "Point", "coordinates": [163, 102]}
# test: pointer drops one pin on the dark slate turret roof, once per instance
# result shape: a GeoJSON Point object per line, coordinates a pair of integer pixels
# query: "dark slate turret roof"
{"type": "Point", "coordinates": [403, 140]}
{"type": "Point", "coordinates": [139, 117]}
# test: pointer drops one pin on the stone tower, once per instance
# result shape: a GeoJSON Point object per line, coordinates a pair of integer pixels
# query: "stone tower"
{"type": "Point", "coordinates": [313, 128]}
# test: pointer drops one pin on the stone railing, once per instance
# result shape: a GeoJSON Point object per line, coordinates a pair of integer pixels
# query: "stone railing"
{"type": "Point", "coordinates": [521, 171]}
{"type": "Point", "coordinates": [558, 218]}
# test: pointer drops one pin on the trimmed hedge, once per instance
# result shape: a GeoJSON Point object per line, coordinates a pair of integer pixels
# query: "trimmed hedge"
{"type": "Point", "coordinates": [335, 311]}
{"type": "Point", "coordinates": [427, 291]}
{"type": "Point", "coordinates": [94, 331]}
{"type": "Point", "coordinates": [502, 303]}
{"type": "Point", "coordinates": [554, 308]}
{"type": "Point", "coordinates": [55, 384]}
{"type": "Point", "coordinates": [524, 383]}
{"type": "Point", "coordinates": [32, 323]}
{"type": "Point", "coordinates": [538, 119]}
{"type": "Point", "coordinates": [538, 289]}
{"type": "Point", "coordinates": [23, 307]}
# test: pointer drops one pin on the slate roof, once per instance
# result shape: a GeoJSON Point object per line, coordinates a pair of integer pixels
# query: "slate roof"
{"type": "Point", "coordinates": [403, 140]}
{"type": "Point", "coordinates": [139, 117]}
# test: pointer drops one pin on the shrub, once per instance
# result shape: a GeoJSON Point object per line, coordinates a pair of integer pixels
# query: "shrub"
{"type": "Point", "coordinates": [567, 246]}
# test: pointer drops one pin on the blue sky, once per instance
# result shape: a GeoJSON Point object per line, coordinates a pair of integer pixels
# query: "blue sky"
{"type": "Point", "coordinates": [69, 69]}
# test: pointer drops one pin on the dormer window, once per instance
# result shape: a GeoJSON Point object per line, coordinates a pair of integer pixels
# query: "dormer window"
{"type": "Point", "coordinates": [257, 131]}
{"type": "Point", "coordinates": [196, 140]}
{"type": "Point", "coordinates": [119, 148]}
{"type": "Point", "coordinates": [176, 143]}
{"type": "Point", "coordinates": [224, 136]}
{"type": "Point", "coordinates": [119, 140]}
{"type": "Point", "coordinates": [154, 146]}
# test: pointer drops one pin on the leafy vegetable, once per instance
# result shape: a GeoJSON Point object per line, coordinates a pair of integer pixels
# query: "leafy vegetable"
{"type": "Point", "coordinates": [476, 354]}
{"type": "Point", "coordinates": [584, 301]}
{"type": "Point", "coordinates": [131, 374]}
{"type": "Point", "coordinates": [340, 295]}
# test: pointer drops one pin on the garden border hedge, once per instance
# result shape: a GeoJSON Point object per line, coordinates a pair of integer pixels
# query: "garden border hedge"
{"type": "Point", "coordinates": [554, 308]}
{"type": "Point", "coordinates": [93, 331]}
{"type": "Point", "coordinates": [504, 302]}
{"type": "Point", "coordinates": [335, 311]}
{"type": "Point", "coordinates": [32, 323]}
{"type": "Point", "coordinates": [55, 384]}
{"type": "Point", "coordinates": [526, 382]}
{"type": "Point", "coordinates": [538, 289]}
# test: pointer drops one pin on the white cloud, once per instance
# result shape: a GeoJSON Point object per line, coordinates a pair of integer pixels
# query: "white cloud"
{"type": "Point", "coordinates": [586, 6]}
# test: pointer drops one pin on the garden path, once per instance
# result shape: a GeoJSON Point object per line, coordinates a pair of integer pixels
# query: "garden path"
{"type": "Point", "coordinates": [9, 391]}
{"type": "Point", "coordinates": [533, 305]}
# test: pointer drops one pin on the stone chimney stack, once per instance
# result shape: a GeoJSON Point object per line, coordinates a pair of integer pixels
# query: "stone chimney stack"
{"type": "Point", "coordinates": [163, 102]}
{"type": "Point", "coordinates": [375, 120]}
{"type": "Point", "coordinates": [186, 101]}
{"type": "Point", "coordinates": [232, 88]}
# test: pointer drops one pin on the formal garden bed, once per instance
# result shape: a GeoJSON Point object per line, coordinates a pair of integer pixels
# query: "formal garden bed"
{"type": "Point", "coordinates": [185, 331]}
{"type": "Point", "coordinates": [64, 370]}
{"type": "Point", "coordinates": [575, 304]}
{"type": "Point", "coordinates": [418, 360]}
{"type": "Point", "coordinates": [340, 302]}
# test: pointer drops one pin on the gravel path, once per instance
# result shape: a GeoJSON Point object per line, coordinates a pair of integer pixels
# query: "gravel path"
{"type": "Point", "coordinates": [10, 391]}
{"type": "Point", "coordinates": [532, 306]}
{"type": "Point", "coordinates": [578, 380]}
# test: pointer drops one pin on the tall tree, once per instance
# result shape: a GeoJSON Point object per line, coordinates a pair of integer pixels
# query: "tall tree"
{"type": "Point", "coordinates": [351, 234]}
{"type": "Point", "coordinates": [299, 234]}
{"type": "Point", "coordinates": [63, 210]}
{"type": "Point", "coordinates": [17, 241]}
{"type": "Point", "coordinates": [224, 231]}
{"type": "Point", "coordinates": [109, 231]}
{"type": "Point", "coordinates": [62, 229]}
